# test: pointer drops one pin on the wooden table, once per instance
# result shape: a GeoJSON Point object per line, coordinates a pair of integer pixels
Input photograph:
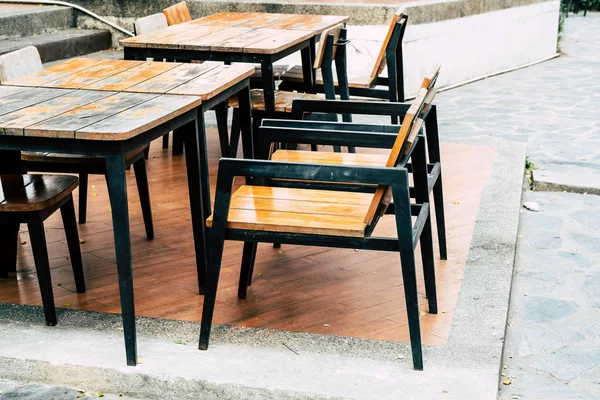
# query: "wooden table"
{"type": "Point", "coordinates": [239, 37]}
{"type": "Point", "coordinates": [109, 108]}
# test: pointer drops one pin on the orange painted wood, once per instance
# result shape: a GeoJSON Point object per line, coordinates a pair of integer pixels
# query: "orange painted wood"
{"type": "Point", "coordinates": [177, 13]}
{"type": "Point", "coordinates": [380, 62]}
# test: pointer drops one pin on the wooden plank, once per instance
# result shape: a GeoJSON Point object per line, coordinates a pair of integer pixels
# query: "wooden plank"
{"type": "Point", "coordinates": [55, 72]}
{"type": "Point", "coordinates": [65, 125]}
{"type": "Point", "coordinates": [139, 119]}
{"type": "Point", "coordinates": [237, 43]}
{"type": "Point", "coordinates": [276, 221]}
{"type": "Point", "coordinates": [150, 23]}
{"type": "Point", "coordinates": [93, 74]}
{"type": "Point", "coordinates": [174, 41]}
{"type": "Point", "coordinates": [132, 77]}
{"type": "Point", "coordinates": [299, 206]}
{"type": "Point", "coordinates": [177, 13]}
{"type": "Point", "coordinates": [323, 157]}
{"type": "Point", "coordinates": [28, 98]}
{"type": "Point", "coordinates": [228, 19]}
{"type": "Point", "coordinates": [34, 192]}
{"type": "Point", "coordinates": [323, 196]}
{"type": "Point", "coordinates": [381, 61]}
{"type": "Point", "coordinates": [10, 90]}
{"type": "Point", "coordinates": [204, 43]}
{"type": "Point", "coordinates": [172, 78]}
{"type": "Point", "coordinates": [281, 40]}
{"type": "Point", "coordinates": [214, 81]}
{"type": "Point", "coordinates": [314, 23]}
{"type": "Point", "coordinates": [14, 123]}
{"type": "Point", "coordinates": [265, 20]}
{"type": "Point", "coordinates": [142, 40]}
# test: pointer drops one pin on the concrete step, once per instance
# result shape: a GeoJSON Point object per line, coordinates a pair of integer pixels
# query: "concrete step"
{"type": "Point", "coordinates": [61, 44]}
{"type": "Point", "coordinates": [18, 20]}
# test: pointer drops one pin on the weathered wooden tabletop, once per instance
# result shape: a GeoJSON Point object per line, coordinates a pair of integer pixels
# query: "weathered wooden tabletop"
{"type": "Point", "coordinates": [241, 32]}
{"type": "Point", "coordinates": [204, 80]}
{"type": "Point", "coordinates": [86, 114]}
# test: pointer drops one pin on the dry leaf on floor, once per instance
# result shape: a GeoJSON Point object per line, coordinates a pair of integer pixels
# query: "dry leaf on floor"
{"type": "Point", "coordinates": [69, 304]}
{"type": "Point", "coordinates": [81, 241]}
{"type": "Point", "coordinates": [422, 313]}
{"type": "Point", "coordinates": [532, 206]}
{"type": "Point", "coordinates": [179, 341]}
{"type": "Point", "coordinates": [507, 380]}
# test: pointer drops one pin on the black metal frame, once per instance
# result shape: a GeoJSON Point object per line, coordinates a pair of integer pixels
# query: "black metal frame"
{"type": "Point", "coordinates": [9, 226]}
{"type": "Point", "coordinates": [394, 82]}
{"type": "Point", "coordinates": [408, 234]}
{"type": "Point", "coordinates": [359, 135]}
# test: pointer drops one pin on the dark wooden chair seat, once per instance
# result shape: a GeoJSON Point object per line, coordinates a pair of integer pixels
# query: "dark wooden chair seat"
{"type": "Point", "coordinates": [34, 192]}
{"type": "Point", "coordinates": [31, 199]}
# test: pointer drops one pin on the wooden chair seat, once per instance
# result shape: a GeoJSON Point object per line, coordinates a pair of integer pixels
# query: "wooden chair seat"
{"type": "Point", "coordinates": [308, 211]}
{"type": "Point", "coordinates": [355, 79]}
{"type": "Point", "coordinates": [283, 100]}
{"type": "Point", "coordinates": [278, 71]}
{"type": "Point", "coordinates": [23, 193]}
{"type": "Point", "coordinates": [316, 157]}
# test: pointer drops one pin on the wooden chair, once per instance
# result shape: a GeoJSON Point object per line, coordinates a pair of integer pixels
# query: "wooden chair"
{"type": "Point", "coordinates": [329, 46]}
{"type": "Point", "coordinates": [29, 58]}
{"type": "Point", "coordinates": [150, 23]}
{"type": "Point", "coordinates": [31, 199]}
{"type": "Point", "coordinates": [177, 13]}
{"type": "Point", "coordinates": [298, 131]}
{"type": "Point", "coordinates": [371, 85]}
{"type": "Point", "coordinates": [329, 218]}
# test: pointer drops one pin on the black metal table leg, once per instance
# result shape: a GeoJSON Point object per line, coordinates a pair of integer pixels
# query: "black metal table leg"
{"type": "Point", "coordinates": [245, 110]}
{"type": "Point", "coordinates": [117, 184]}
{"type": "Point", "coordinates": [266, 66]}
{"type": "Point", "coordinates": [199, 187]}
{"type": "Point", "coordinates": [308, 72]}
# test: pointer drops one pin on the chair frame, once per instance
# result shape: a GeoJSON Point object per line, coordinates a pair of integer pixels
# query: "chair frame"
{"type": "Point", "coordinates": [35, 222]}
{"type": "Point", "coordinates": [359, 135]}
{"type": "Point", "coordinates": [408, 234]}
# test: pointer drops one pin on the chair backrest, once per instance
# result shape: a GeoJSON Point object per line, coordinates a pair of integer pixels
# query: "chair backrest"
{"type": "Point", "coordinates": [398, 25]}
{"type": "Point", "coordinates": [150, 23]}
{"type": "Point", "coordinates": [411, 125]}
{"type": "Point", "coordinates": [177, 13]}
{"type": "Point", "coordinates": [20, 62]}
{"type": "Point", "coordinates": [335, 31]}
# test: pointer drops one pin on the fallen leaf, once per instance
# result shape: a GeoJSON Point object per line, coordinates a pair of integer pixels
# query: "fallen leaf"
{"type": "Point", "coordinates": [69, 304]}
{"type": "Point", "coordinates": [23, 242]}
{"type": "Point", "coordinates": [119, 329]}
{"type": "Point", "coordinates": [422, 313]}
{"type": "Point", "coordinates": [507, 380]}
{"type": "Point", "coordinates": [81, 241]}
{"type": "Point", "coordinates": [93, 186]}
{"type": "Point", "coordinates": [140, 361]}
{"type": "Point", "coordinates": [94, 194]}
{"type": "Point", "coordinates": [260, 274]}
{"type": "Point", "coordinates": [326, 325]}
{"type": "Point", "coordinates": [511, 324]}
{"type": "Point", "coordinates": [525, 294]}
{"type": "Point", "coordinates": [179, 341]}
{"type": "Point", "coordinates": [100, 394]}
{"type": "Point", "coordinates": [80, 395]}
{"type": "Point", "coordinates": [456, 202]}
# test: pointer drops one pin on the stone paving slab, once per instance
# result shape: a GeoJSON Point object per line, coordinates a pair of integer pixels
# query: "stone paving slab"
{"type": "Point", "coordinates": [12, 390]}
{"type": "Point", "coordinates": [553, 340]}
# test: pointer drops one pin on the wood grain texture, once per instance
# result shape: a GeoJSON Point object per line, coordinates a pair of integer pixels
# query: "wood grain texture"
{"type": "Point", "coordinates": [284, 39]}
{"type": "Point", "coordinates": [139, 119]}
{"type": "Point", "coordinates": [172, 78]}
{"type": "Point", "coordinates": [313, 23]}
{"type": "Point", "coordinates": [93, 74]}
{"type": "Point", "coordinates": [323, 157]}
{"type": "Point", "coordinates": [381, 61]}
{"type": "Point", "coordinates": [228, 19]}
{"type": "Point", "coordinates": [142, 40]}
{"type": "Point", "coordinates": [20, 193]}
{"type": "Point", "coordinates": [66, 124]}
{"type": "Point", "coordinates": [132, 77]}
{"type": "Point", "coordinates": [55, 72]}
{"type": "Point", "coordinates": [295, 214]}
{"type": "Point", "coordinates": [214, 81]}
{"type": "Point", "coordinates": [15, 123]}
{"type": "Point", "coordinates": [25, 98]}
{"type": "Point", "coordinates": [206, 42]}
{"type": "Point", "coordinates": [177, 13]}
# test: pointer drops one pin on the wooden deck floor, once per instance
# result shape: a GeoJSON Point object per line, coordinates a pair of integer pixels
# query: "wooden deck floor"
{"type": "Point", "coordinates": [307, 289]}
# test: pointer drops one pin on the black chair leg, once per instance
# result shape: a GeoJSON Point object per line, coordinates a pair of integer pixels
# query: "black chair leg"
{"type": "Point", "coordinates": [69, 222]}
{"type": "Point", "coordinates": [221, 112]}
{"type": "Point", "coordinates": [236, 131]}
{"type": "Point", "coordinates": [42, 266]}
{"type": "Point", "coordinates": [165, 141]}
{"type": "Point", "coordinates": [9, 240]}
{"type": "Point", "coordinates": [83, 194]}
{"type": "Point", "coordinates": [141, 178]}
{"type": "Point", "coordinates": [147, 152]}
{"type": "Point", "coordinates": [248, 257]}
{"type": "Point", "coordinates": [440, 219]}
{"type": "Point", "coordinates": [215, 256]}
